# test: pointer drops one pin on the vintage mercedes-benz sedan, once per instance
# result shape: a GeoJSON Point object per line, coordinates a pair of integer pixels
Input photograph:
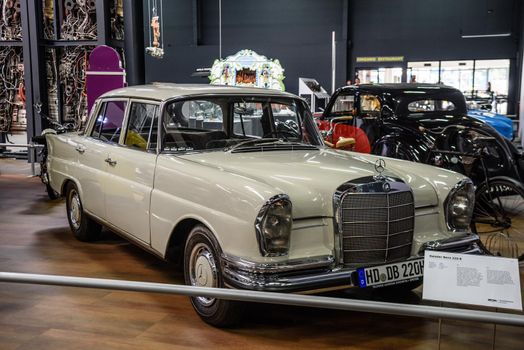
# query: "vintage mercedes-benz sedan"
{"type": "Point", "coordinates": [237, 185]}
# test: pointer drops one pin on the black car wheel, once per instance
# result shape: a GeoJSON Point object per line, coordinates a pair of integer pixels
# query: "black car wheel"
{"type": "Point", "coordinates": [499, 208]}
{"type": "Point", "coordinates": [51, 193]}
{"type": "Point", "coordinates": [84, 228]}
{"type": "Point", "coordinates": [202, 268]}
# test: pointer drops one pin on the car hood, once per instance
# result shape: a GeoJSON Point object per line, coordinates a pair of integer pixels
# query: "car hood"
{"type": "Point", "coordinates": [487, 114]}
{"type": "Point", "coordinates": [311, 177]}
{"type": "Point", "coordinates": [501, 123]}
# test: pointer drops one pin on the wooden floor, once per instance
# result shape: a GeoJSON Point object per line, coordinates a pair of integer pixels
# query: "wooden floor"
{"type": "Point", "coordinates": [35, 238]}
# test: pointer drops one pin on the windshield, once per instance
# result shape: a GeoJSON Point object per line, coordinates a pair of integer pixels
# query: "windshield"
{"type": "Point", "coordinates": [224, 122]}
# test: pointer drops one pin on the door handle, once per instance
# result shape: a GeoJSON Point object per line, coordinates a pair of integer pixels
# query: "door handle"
{"type": "Point", "coordinates": [110, 161]}
{"type": "Point", "coordinates": [80, 149]}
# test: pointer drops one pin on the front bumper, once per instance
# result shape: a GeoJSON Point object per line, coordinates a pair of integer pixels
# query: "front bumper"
{"type": "Point", "coordinates": [320, 272]}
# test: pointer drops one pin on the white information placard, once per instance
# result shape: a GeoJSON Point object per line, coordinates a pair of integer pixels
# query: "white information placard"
{"type": "Point", "coordinates": [472, 279]}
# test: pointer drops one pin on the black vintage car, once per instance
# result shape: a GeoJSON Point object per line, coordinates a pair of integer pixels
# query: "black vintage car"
{"type": "Point", "coordinates": [411, 121]}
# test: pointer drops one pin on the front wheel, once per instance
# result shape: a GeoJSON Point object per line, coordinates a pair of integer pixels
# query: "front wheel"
{"type": "Point", "coordinates": [202, 268]}
{"type": "Point", "coordinates": [498, 217]}
{"type": "Point", "coordinates": [83, 227]}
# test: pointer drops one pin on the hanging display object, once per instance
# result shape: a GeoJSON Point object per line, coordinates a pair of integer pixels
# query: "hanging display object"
{"type": "Point", "coordinates": [156, 41]}
{"type": "Point", "coordinates": [116, 14]}
{"type": "Point", "coordinates": [247, 68]}
{"type": "Point", "coordinates": [48, 10]}
{"type": "Point", "coordinates": [12, 90]}
{"type": "Point", "coordinates": [79, 21]}
{"type": "Point", "coordinates": [10, 21]}
{"type": "Point", "coordinates": [72, 79]}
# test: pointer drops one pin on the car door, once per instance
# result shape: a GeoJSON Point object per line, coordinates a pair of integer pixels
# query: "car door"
{"type": "Point", "coordinates": [131, 171]}
{"type": "Point", "coordinates": [93, 149]}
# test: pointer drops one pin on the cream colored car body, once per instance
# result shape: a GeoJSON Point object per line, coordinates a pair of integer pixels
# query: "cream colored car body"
{"type": "Point", "coordinates": [146, 195]}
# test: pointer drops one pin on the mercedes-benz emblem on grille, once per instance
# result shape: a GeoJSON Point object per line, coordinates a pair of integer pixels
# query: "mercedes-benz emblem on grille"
{"type": "Point", "coordinates": [380, 165]}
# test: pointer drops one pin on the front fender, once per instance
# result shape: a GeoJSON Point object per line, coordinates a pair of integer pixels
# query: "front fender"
{"type": "Point", "coordinates": [403, 144]}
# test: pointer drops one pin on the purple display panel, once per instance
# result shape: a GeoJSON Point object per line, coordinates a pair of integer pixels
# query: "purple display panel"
{"type": "Point", "coordinates": [104, 73]}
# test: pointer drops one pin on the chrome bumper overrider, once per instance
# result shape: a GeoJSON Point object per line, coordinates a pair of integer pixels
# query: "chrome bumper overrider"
{"type": "Point", "coordinates": [319, 272]}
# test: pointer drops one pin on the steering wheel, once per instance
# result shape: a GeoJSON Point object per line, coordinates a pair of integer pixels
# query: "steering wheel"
{"type": "Point", "coordinates": [280, 133]}
{"type": "Point", "coordinates": [292, 125]}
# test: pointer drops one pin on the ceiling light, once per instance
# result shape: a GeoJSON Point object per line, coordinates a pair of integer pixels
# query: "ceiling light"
{"type": "Point", "coordinates": [485, 36]}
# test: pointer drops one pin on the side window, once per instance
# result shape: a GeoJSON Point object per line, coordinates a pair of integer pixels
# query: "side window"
{"type": "Point", "coordinates": [369, 103]}
{"type": "Point", "coordinates": [422, 106]}
{"type": "Point", "coordinates": [109, 121]}
{"type": "Point", "coordinates": [141, 130]}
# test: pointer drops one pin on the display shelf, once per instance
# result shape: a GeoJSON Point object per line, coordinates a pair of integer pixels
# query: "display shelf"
{"type": "Point", "coordinates": [61, 43]}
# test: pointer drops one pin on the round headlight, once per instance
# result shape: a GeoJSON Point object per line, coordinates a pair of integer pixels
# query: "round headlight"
{"type": "Point", "coordinates": [273, 226]}
{"type": "Point", "coordinates": [459, 206]}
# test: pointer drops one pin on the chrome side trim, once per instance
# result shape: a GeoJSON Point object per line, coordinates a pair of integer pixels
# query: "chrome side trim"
{"type": "Point", "coordinates": [125, 235]}
{"type": "Point", "coordinates": [305, 282]}
{"type": "Point", "coordinates": [287, 266]}
{"type": "Point", "coordinates": [471, 242]}
{"type": "Point", "coordinates": [425, 206]}
{"type": "Point", "coordinates": [295, 228]}
{"type": "Point", "coordinates": [417, 215]}
{"type": "Point", "coordinates": [313, 273]}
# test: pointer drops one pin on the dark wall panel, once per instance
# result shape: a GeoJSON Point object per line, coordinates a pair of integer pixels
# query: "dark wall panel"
{"type": "Point", "coordinates": [433, 29]}
{"type": "Point", "coordinates": [297, 32]}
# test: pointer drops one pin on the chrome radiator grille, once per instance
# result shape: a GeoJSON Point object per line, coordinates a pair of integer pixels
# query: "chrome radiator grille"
{"type": "Point", "coordinates": [376, 227]}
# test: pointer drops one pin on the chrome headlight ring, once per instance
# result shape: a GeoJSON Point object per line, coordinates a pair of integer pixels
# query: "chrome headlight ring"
{"type": "Point", "coordinates": [273, 226]}
{"type": "Point", "coordinates": [459, 206]}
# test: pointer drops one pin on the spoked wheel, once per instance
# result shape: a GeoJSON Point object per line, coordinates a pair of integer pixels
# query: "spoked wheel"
{"type": "Point", "coordinates": [498, 217]}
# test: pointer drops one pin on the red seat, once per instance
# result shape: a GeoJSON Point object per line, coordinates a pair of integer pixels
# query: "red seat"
{"type": "Point", "coordinates": [362, 144]}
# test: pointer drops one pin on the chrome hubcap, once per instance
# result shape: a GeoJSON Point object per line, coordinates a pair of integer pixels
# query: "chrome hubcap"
{"type": "Point", "coordinates": [202, 270]}
{"type": "Point", "coordinates": [75, 210]}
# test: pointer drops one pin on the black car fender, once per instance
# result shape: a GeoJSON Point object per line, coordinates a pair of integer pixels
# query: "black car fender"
{"type": "Point", "coordinates": [401, 143]}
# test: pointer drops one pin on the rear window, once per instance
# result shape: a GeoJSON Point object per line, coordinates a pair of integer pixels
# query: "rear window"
{"type": "Point", "coordinates": [430, 105]}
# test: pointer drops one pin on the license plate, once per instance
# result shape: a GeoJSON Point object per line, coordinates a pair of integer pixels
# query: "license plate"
{"type": "Point", "coordinates": [391, 274]}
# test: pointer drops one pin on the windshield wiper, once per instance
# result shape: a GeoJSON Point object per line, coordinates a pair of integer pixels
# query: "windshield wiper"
{"type": "Point", "coordinates": [251, 142]}
{"type": "Point", "coordinates": [269, 144]}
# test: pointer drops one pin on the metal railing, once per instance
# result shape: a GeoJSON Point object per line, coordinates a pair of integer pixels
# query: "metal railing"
{"type": "Point", "coordinates": [424, 311]}
{"type": "Point", "coordinates": [31, 147]}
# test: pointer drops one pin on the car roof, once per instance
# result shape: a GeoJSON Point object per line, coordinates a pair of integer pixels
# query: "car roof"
{"type": "Point", "coordinates": [399, 95]}
{"type": "Point", "coordinates": [165, 91]}
{"type": "Point", "coordinates": [401, 88]}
